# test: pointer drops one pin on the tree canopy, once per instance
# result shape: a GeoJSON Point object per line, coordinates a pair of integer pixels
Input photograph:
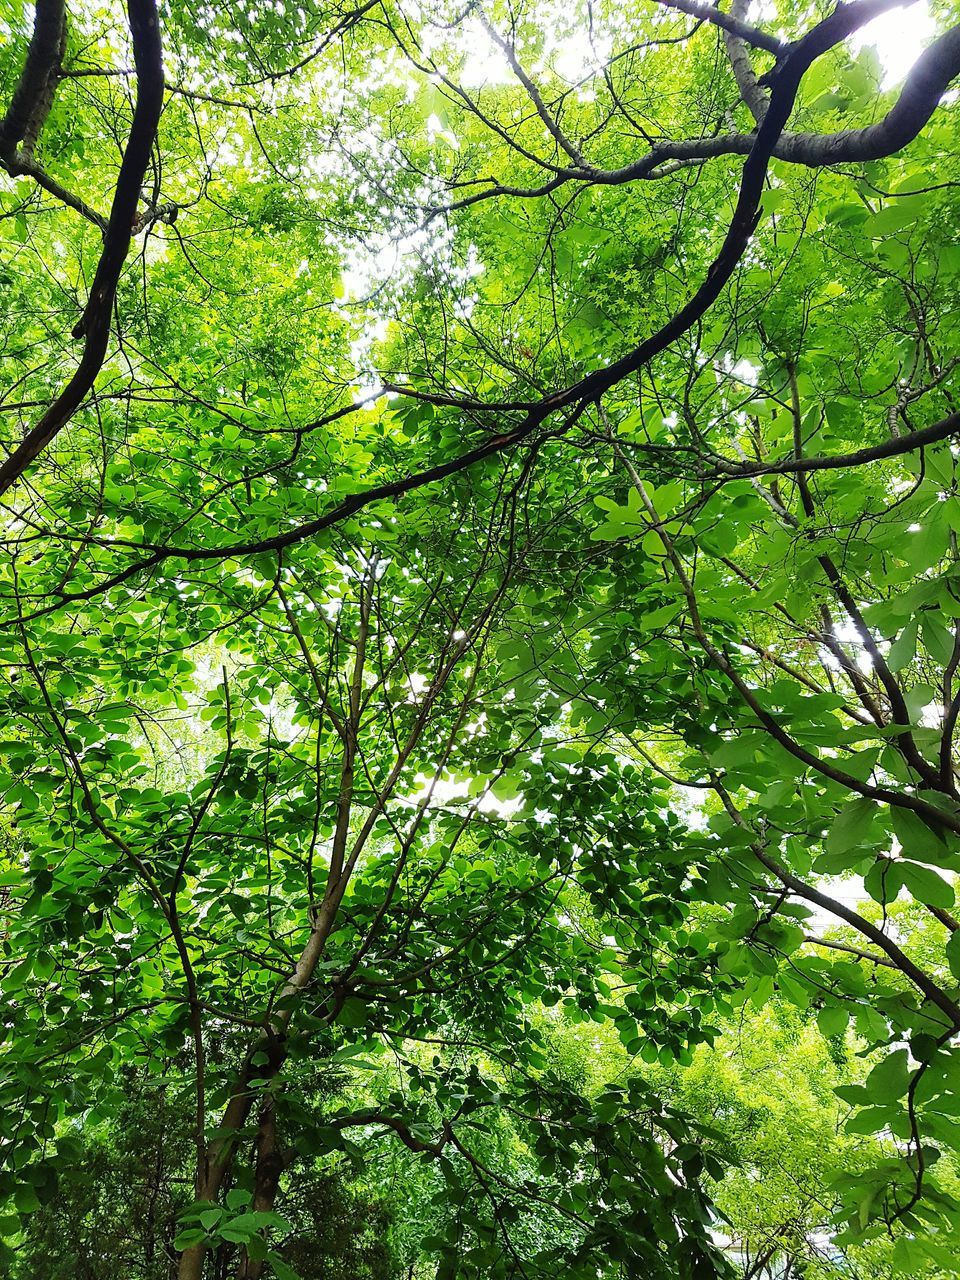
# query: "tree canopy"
{"type": "Point", "coordinates": [479, 624]}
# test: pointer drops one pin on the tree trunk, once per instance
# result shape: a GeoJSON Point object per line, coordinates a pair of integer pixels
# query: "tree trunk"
{"type": "Point", "coordinates": [191, 1263]}
{"type": "Point", "coordinates": [270, 1165]}
{"type": "Point", "coordinates": [221, 1152]}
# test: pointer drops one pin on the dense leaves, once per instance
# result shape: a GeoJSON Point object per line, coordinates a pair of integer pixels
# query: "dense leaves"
{"type": "Point", "coordinates": [480, 569]}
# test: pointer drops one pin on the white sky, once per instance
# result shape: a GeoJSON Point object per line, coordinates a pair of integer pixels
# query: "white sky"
{"type": "Point", "coordinates": [899, 37]}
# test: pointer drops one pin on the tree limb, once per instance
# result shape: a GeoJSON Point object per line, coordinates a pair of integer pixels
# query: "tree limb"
{"type": "Point", "coordinates": [732, 23]}
{"type": "Point", "coordinates": [31, 98]}
{"type": "Point", "coordinates": [94, 325]}
{"type": "Point", "coordinates": [735, 42]}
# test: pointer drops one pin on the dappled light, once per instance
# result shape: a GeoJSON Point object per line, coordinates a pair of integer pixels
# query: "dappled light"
{"type": "Point", "coordinates": [479, 640]}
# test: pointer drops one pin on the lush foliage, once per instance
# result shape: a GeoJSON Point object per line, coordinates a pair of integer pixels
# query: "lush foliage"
{"type": "Point", "coordinates": [480, 577]}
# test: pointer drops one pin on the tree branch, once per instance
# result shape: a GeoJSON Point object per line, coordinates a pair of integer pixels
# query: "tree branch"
{"type": "Point", "coordinates": [31, 98]}
{"type": "Point", "coordinates": [731, 23]}
{"type": "Point", "coordinates": [735, 42]}
{"type": "Point", "coordinates": [94, 325]}
{"type": "Point", "coordinates": [930, 77]}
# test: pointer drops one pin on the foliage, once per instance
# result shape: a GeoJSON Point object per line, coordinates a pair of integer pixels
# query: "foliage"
{"type": "Point", "coordinates": [480, 562]}
{"type": "Point", "coordinates": [768, 1087]}
{"type": "Point", "coordinates": [117, 1204]}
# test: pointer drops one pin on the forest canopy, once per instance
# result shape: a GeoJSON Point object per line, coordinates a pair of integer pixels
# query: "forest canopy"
{"type": "Point", "coordinates": [479, 640]}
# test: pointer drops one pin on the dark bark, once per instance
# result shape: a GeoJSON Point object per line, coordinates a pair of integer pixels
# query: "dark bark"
{"type": "Point", "coordinates": [936, 68]}
{"type": "Point", "coordinates": [733, 22]}
{"type": "Point", "coordinates": [94, 325]}
{"type": "Point", "coordinates": [33, 94]}
{"type": "Point", "coordinates": [929, 79]}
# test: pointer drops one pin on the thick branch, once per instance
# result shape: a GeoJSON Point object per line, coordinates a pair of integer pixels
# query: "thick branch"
{"type": "Point", "coordinates": [25, 167]}
{"type": "Point", "coordinates": [929, 79]}
{"type": "Point", "coordinates": [920, 96]}
{"type": "Point", "coordinates": [731, 22]}
{"type": "Point", "coordinates": [95, 322]}
{"type": "Point", "coordinates": [844, 20]}
{"type": "Point", "coordinates": [849, 950]}
{"type": "Point", "coordinates": [891, 448]}
{"type": "Point", "coordinates": [743, 72]}
{"type": "Point", "coordinates": [880, 940]}
{"type": "Point", "coordinates": [38, 75]}
{"type": "Point", "coordinates": [402, 1130]}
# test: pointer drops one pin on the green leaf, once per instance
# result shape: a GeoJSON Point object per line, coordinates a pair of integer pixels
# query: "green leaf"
{"type": "Point", "coordinates": [889, 1079]}
{"type": "Point", "coordinates": [926, 885]}
{"type": "Point", "coordinates": [893, 218]}
{"type": "Point", "coordinates": [937, 638]}
{"type": "Point", "coordinates": [918, 840]}
{"type": "Point", "coordinates": [884, 880]}
{"type": "Point", "coordinates": [26, 1199]}
{"type": "Point", "coordinates": [853, 826]}
{"type": "Point", "coordinates": [904, 648]}
{"type": "Point", "coordinates": [832, 1020]}
{"type": "Point", "coordinates": [189, 1236]}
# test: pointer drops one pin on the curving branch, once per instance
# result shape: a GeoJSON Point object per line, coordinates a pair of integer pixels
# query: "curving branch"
{"type": "Point", "coordinates": [921, 980]}
{"type": "Point", "coordinates": [930, 77]}
{"type": "Point", "coordinates": [891, 448]}
{"type": "Point", "coordinates": [550, 122]}
{"type": "Point", "coordinates": [928, 80]}
{"type": "Point", "coordinates": [34, 92]}
{"type": "Point", "coordinates": [732, 23]}
{"type": "Point", "coordinates": [736, 45]}
{"type": "Point", "coordinates": [94, 325]}
{"type": "Point", "coordinates": [375, 1116]}
{"type": "Point", "coordinates": [31, 103]}
{"type": "Point", "coordinates": [785, 85]}
{"type": "Point", "coordinates": [26, 167]}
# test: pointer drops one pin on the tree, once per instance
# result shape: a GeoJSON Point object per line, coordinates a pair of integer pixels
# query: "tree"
{"type": "Point", "coordinates": [769, 1087]}
{"type": "Point", "coordinates": [458, 476]}
{"type": "Point", "coordinates": [118, 1201]}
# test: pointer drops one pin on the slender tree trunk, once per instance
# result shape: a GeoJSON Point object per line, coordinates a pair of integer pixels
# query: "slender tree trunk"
{"type": "Point", "coordinates": [222, 1151]}
{"type": "Point", "coordinates": [269, 1166]}
{"type": "Point", "coordinates": [191, 1263]}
